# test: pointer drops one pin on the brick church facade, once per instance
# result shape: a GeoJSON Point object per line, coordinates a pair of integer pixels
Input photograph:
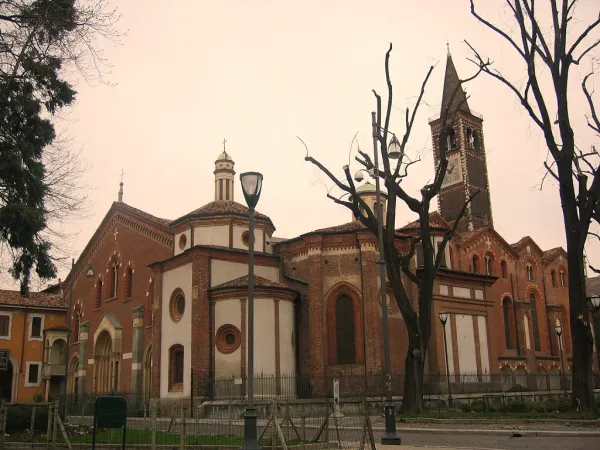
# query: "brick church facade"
{"type": "Point", "coordinates": [158, 304]}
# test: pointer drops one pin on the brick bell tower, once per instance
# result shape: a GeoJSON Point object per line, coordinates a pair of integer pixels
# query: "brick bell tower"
{"type": "Point", "coordinates": [467, 166]}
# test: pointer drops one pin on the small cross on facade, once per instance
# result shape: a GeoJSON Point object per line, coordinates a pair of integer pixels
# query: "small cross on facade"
{"type": "Point", "coordinates": [122, 173]}
{"type": "Point", "coordinates": [116, 233]}
{"type": "Point", "coordinates": [224, 142]}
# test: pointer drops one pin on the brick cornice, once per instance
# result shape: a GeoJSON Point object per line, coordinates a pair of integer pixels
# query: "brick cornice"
{"type": "Point", "coordinates": [123, 215]}
{"type": "Point", "coordinates": [259, 292]}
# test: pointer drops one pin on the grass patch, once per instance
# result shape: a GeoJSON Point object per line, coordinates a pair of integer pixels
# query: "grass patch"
{"type": "Point", "coordinates": [83, 435]}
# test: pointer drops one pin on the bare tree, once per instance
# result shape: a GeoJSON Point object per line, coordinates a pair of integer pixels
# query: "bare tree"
{"type": "Point", "coordinates": [400, 251]}
{"type": "Point", "coordinates": [548, 53]}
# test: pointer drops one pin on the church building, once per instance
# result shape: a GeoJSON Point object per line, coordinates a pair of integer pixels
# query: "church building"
{"type": "Point", "coordinates": [159, 306]}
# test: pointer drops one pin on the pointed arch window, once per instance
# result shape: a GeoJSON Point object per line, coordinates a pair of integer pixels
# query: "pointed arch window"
{"type": "Point", "coordinates": [451, 139]}
{"type": "Point", "coordinates": [488, 264]}
{"type": "Point", "coordinates": [562, 278]}
{"type": "Point", "coordinates": [503, 269]}
{"type": "Point", "coordinates": [508, 314]}
{"type": "Point", "coordinates": [176, 363]}
{"type": "Point", "coordinates": [128, 282]}
{"type": "Point", "coordinates": [98, 299]}
{"type": "Point", "coordinates": [344, 330]}
{"type": "Point", "coordinates": [475, 264]}
{"type": "Point", "coordinates": [113, 273]}
{"type": "Point", "coordinates": [529, 270]}
{"type": "Point", "coordinates": [534, 323]}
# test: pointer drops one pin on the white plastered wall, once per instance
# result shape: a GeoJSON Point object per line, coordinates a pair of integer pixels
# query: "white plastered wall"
{"type": "Point", "coordinates": [228, 312]}
{"type": "Point", "coordinates": [287, 356]}
{"type": "Point", "coordinates": [222, 271]}
{"type": "Point", "coordinates": [188, 236]}
{"type": "Point", "coordinates": [212, 235]}
{"type": "Point", "coordinates": [258, 238]}
{"type": "Point", "coordinates": [176, 332]}
{"type": "Point", "coordinates": [484, 354]}
{"type": "Point", "coordinates": [465, 337]}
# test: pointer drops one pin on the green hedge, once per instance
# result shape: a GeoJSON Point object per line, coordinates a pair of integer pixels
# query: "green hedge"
{"type": "Point", "coordinates": [19, 418]}
{"type": "Point", "coordinates": [518, 406]}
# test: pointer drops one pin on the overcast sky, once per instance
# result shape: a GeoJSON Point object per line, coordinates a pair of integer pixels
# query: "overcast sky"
{"type": "Point", "coordinates": [190, 73]}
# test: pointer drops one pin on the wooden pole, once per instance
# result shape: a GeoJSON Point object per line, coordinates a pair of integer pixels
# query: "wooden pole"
{"type": "Point", "coordinates": [32, 424]}
{"type": "Point", "coordinates": [182, 429]}
{"type": "Point", "coordinates": [54, 425]}
{"type": "Point", "coordinates": [2, 424]}
{"type": "Point", "coordinates": [153, 414]}
{"type": "Point", "coordinates": [49, 427]}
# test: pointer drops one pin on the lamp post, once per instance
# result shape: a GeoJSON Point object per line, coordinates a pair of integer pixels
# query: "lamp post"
{"type": "Point", "coordinates": [594, 303]}
{"type": "Point", "coordinates": [443, 316]}
{"type": "Point", "coordinates": [390, 437]}
{"type": "Point", "coordinates": [251, 186]}
{"type": "Point", "coordinates": [558, 329]}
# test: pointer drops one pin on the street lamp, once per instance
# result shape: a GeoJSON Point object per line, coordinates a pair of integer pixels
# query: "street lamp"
{"type": "Point", "coordinates": [594, 304]}
{"type": "Point", "coordinates": [444, 318]}
{"type": "Point", "coordinates": [251, 186]}
{"type": "Point", "coordinates": [390, 437]}
{"type": "Point", "coordinates": [558, 329]}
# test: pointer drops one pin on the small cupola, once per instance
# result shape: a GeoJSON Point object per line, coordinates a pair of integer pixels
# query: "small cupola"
{"type": "Point", "coordinates": [224, 177]}
{"type": "Point", "coordinates": [368, 193]}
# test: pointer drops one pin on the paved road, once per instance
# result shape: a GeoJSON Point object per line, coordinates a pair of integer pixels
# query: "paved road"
{"type": "Point", "coordinates": [496, 442]}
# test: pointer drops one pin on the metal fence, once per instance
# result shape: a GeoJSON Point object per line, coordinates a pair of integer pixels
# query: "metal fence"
{"type": "Point", "coordinates": [297, 386]}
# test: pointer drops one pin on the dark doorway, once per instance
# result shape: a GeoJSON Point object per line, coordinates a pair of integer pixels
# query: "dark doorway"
{"type": "Point", "coordinates": [6, 382]}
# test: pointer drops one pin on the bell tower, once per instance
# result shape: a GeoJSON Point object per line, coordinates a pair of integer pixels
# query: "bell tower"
{"type": "Point", "coordinates": [224, 176]}
{"type": "Point", "coordinates": [467, 165]}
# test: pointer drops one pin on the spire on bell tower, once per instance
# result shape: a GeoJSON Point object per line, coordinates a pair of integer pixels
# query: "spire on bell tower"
{"type": "Point", "coordinates": [224, 176]}
{"type": "Point", "coordinates": [451, 83]}
{"type": "Point", "coordinates": [120, 196]}
{"type": "Point", "coordinates": [465, 151]}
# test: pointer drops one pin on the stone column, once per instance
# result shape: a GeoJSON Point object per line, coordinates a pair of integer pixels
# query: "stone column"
{"type": "Point", "coordinates": [137, 349]}
{"type": "Point", "coordinates": [83, 355]}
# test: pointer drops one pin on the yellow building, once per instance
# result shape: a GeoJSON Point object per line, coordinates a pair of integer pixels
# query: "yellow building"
{"type": "Point", "coordinates": [33, 345]}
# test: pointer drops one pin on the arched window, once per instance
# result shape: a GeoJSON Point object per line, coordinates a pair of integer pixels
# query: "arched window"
{"type": "Point", "coordinates": [176, 368]}
{"type": "Point", "coordinates": [553, 277]}
{"type": "Point", "coordinates": [506, 307]}
{"type": "Point", "coordinates": [75, 326]}
{"type": "Point", "coordinates": [344, 330]}
{"type": "Point", "coordinates": [150, 304]}
{"type": "Point", "coordinates": [529, 270]}
{"type": "Point", "coordinates": [475, 264]}
{"type": "Point", "coordinates": [128, 282]}
{"type": "Point", "coordinates": [563, 281]}
{"type": "Point", "coordinates": [503, 269]}
{"type": "Point", "coordinates": [98, 299]}
{"type": "Point", "coordinates": [113, 273]}
{"type": "Point", "coordinates": [488, 264]}
{"type": "Point", "coordinates": [451, 139]}
{"type": "Point", "coordinates": [534, 323]}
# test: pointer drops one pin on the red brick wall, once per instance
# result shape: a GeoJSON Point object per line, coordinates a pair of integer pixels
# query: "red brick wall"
{"type": "Point", "coordinates": [130, 247]}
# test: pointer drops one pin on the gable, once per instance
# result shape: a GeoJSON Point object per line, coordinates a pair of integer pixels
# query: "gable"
{"type": "Point", "coordinates": [527, 245]}
{"type": "Point", "coordinates": [149, 226]}
{"type": "Point", "coordinates": [486, 237]}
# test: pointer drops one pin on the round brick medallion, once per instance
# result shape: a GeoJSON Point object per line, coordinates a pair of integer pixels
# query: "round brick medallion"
{"type": "Point", "coordinates": [228, 339]}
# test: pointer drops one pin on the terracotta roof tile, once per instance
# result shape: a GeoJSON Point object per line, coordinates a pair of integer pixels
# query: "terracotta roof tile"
{"type": "Point", "coordinates": [520, 242]}
{"type": "Point", "coordinates": [145, 214]}
{"type": "Point", "coordinates": [223, 207]}
{"type": "Point", "coordinates": [350, 226]}
{"type": "Point", "coordinates": [592, 286]}
{"type": "Point", "coordinates": [549, 255]}
{"type": "Point", "coordinates": [435, 221]}
{"type": "Point", "coordinates": [258, 282]}
{"type": "Point", "coordinates": [35, 299]}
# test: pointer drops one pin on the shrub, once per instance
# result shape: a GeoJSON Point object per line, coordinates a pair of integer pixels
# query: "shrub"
{"type": "Point", "coordinates": [517, 407]}
{"type": "Point", "coordinates": [18, 418]}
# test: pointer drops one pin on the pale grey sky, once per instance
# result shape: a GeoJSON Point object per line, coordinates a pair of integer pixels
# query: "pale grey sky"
{"type": "Point", "coordinates": [259, 73]}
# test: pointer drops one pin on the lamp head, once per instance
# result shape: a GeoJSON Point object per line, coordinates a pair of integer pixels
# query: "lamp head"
{"type": "Point", "coordinates": [443, 316]}
{"type": "Point", "coordinates": [358, 176]}
{"type": "Point", "coordinates": [558, 329]}
{"type": "Point", "coordinates": [252, 187]}
{"type": "Point", "coordinates": [594, 301]}
{"type": "Point", "coordinates": [394, 149]}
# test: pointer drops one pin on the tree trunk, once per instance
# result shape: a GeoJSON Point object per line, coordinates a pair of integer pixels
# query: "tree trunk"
{"type": "Point", "coordinates": [581, 343]}
{"type": "Point", "coordinates": [412, 398]}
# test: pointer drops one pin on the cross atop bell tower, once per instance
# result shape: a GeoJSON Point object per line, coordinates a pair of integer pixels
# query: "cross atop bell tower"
{"type": "Point", "coordinates": [467, 165]}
